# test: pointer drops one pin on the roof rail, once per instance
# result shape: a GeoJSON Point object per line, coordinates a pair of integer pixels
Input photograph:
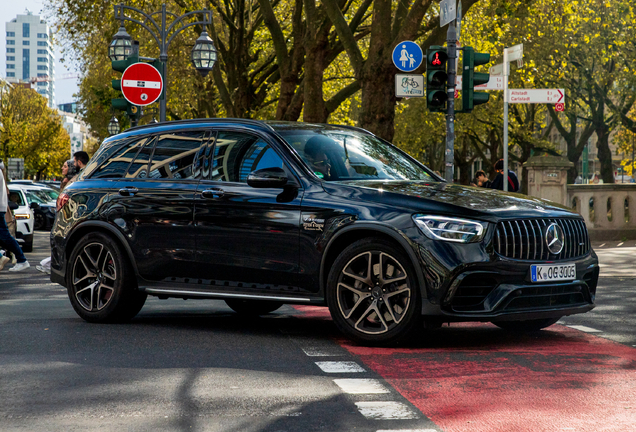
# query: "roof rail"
{"type": "Point", "coordinates": [203, 120]}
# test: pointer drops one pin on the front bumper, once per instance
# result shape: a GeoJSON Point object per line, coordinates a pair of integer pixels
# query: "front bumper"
{"type": "Point", "coordinates": [471, 282]}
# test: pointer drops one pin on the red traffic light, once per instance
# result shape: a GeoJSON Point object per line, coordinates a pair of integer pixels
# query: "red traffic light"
{"type": "Point", "coordinates": [436, 61]}
{"type": "Point", "coordinates": [437, 58]}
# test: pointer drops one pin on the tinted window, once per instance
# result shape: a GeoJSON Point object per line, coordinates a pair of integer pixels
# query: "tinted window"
{"type": "Point", "coordinates": [174, 154]}
{"type": "Point", "coordinates": [139, 167]}
{"type": "Point", "coordinates": [16, 197]}
{"type": "Point", "coordinates": [238, 154]}
{"type": "Point", "coordinates": [116, 163]}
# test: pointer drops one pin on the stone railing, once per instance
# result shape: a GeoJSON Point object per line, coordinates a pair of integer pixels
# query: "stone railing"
{"type": "Point", "coordinates": [609, 209]}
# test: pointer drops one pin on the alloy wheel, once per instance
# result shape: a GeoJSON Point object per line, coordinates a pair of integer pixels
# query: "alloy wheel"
{"type": "Point", "coordinates": [373, 292]}
{"type": "Point", "coordinates": [94, 276]}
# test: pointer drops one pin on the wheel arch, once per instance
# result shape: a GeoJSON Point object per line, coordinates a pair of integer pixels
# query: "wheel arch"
{"type": "Point", "coordinates": [103, 227]}
{"type": "Point", "coordinates": [359, 231]}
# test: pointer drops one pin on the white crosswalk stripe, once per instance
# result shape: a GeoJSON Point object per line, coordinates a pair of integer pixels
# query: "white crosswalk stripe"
{"type": "Point", "coordinates": [585, 329]}
{"type": "Point", "coordinates": [340, 367]}
{"type": "Point", "coordinates": [361, 386]}
{"type": "Point", "coordinates": [386, 411]}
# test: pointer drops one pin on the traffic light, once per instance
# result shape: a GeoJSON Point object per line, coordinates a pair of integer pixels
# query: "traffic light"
{"type": "Point", "coordinates": [470, 79]}
{"type": "Point", "coordinates": [436, 78]}
{"type": "Point", "coordinates": [122, 104]}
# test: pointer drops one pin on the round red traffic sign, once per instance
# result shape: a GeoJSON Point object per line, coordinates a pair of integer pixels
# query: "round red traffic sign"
{"type": "Point", "coordinates": [559, 107]}
{"type": "Point", "coordinates": [141, 84]}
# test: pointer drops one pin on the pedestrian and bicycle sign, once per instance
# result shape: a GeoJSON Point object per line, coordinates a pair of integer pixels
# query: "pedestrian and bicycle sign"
{"type": "Point", "coordinates": [407, 56]}
{"type": "Point", "coordinates": [141, 84]}
{"type": "Point", "coordinates": [409, 85]}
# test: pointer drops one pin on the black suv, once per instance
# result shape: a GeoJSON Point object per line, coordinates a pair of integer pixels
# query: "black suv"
{"type": "Point", "coordinates": [260, 214]}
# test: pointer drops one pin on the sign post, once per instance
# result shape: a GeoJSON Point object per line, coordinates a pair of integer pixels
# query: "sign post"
{"type": "Point", "coordinates": [449, 15]}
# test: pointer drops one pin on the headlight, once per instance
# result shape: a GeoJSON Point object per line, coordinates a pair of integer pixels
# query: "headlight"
{"type": "Point", "coordinates": [23, 216]}
{"type": "Point", "coordinates": [450, 229]}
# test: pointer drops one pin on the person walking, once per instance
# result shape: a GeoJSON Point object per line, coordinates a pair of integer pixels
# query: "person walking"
{"type": "Point", "coordinates": [497, 183]}
{"type": "Point", "coordinates": [482, 180]}
{"type": "Point", "coordinates": [68, 171]}
{"type": "Point", "coordinates": [81, 159]}
{"type": "Point", "coordinates": [6, 238]}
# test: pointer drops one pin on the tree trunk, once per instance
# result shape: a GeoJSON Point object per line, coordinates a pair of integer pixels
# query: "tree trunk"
{"type": "Point", "coordinates": [314, 110]}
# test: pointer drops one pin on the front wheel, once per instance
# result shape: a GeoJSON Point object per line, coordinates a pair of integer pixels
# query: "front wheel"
{"type": "Point", "coordinates": [372, 293]}
{"type": "Point", "coordinates": [253, 307]}
{"type": "Point", "coordinates": [526, 326]}
{"type": "Point", "coordinates": [101, 282]}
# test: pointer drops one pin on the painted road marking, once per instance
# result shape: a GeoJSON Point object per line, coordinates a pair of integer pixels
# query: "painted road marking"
{"type": "Point", "coordinates": [620, 244]}
{"type": "Point", "coordinates": [322, 352]}
{"type": "Point", "coordinates": [602, 245]}
{"type": "Point", "coordinates": [340, 367]}
{"type": "Point", "coordinates": [585, 329]}
{"type": "Point", "coordinates": [361, 386]}
{"type": "Point", "coordinates": [386, 411]}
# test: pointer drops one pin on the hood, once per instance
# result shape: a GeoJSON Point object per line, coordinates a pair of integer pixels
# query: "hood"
{"type": "Point", "coordinates": [446, 198]}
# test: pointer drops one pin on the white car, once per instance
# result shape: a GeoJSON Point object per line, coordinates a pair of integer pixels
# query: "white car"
{"type": "Point", "coordinates": [44, 199]}
{"type": "Point", "coordinates": [24, 218]}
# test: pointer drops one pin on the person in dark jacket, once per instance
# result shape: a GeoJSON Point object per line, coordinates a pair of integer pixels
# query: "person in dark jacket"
{"type": "Point", "coordinates": [482, 180]}
{"type": "Point", "coordinates": [497, 183]}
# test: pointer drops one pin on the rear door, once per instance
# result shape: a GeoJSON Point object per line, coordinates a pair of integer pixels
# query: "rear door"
{"type": "Point", "coordinates": [246, 237]}
{"type": "Point", "coordinates": [155, 205]}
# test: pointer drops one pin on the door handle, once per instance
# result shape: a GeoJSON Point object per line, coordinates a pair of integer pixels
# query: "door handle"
{"type": "Point", "coordinates": [128, 191]}
{"type": "Point", "coordinates": [213, 193]}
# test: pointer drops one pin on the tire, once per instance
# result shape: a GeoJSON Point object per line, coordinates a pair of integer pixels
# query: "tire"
{"type": "Point", "coordinates": [253, 307]}
{"type": "Point", "coordinates": [358, 293]}
{"type": "Point", "coordinates": [101, 282]}
{"type": "Point", "coordinates": [526, 326]}
{"type": "Point", "coordinates": [28, 244]}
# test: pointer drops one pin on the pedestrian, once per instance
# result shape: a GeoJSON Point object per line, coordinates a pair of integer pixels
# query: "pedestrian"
{"type": "Point", "coordinates": [81, 159]}
{"type": "Point", "coordinates": [482, 180]}
{"type": "Point", "coordinates": [68, 171]}
{"type": "Point", "coordinates": [497, 183]}
{"type": "Point", "coordinates": [6, 239]}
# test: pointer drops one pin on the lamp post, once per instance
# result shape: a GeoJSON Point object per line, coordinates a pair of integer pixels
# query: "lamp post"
{"type": "Point", "coordinates": [203, 54]}
{"type": "Point", "coordinates": [113, 126]}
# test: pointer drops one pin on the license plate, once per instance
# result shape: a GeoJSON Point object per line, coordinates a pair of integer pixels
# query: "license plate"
{"type": "Point", "coordinates": [553, 272]}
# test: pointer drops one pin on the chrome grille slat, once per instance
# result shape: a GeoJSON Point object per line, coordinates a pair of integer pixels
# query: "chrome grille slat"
{"type": "Point", "coordinates": [523, 239]}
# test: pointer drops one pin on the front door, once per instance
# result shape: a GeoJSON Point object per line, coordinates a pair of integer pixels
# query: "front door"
{"type": "Point", "coordinates": [246, 237]}
{"type": "Point", "coordinates": [155, 202]}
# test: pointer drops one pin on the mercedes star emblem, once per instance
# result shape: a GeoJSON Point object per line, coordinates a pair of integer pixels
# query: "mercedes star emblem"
{"type": "Point", "coordinates": [554, 238]}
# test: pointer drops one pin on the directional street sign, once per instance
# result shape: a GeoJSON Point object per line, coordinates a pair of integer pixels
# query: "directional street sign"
{"type": "Point", "coordinates": [495, 83]}
{"type": "Point", "coordinates": [496, 70]}
{"type": "Point", "coordinates": [447, 12]}
{"type": "Point", "coordinates": [409, 85]}
{"type": "Point", "coordinates": [141, 84]}
{"type": "Point", "coordinates": [547, 96]}
{"type": "Point", "coordinates": [407, 56]}
{"type": "Point", "coordinates": [515, 52]}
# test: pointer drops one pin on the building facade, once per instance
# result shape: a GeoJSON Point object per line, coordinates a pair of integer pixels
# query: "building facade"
{"type": "Point", "coordinates": [29, 56]}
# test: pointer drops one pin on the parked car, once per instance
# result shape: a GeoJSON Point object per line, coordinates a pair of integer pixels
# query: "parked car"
{"type": "Point", "coordinates": [42, 201]}
{"type": "Point", "coordinates": [24, 218]}
{"type": "Point", "coordinates": [266, 213]}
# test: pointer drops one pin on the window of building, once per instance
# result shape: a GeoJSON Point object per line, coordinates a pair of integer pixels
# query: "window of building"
{"type": "Point", "coordinates": [26, 42]}
{"type": "Point", "coordinates": [10, 42]}
{"type": "Point", "coordinates": [40, 43]}
{"type": "Point", "coordinates": [26, 30]}
{"type": "Point", "coordinates": [42, 67]}
{"type": "Point", "coordinates": [42, 59]}
{"type": "Point", "coordinates": [43, 52]}
{"type": "Point", "coordinates": [10, 58]}
{"type": "Point", "coordinates": [42, 83]}
{"type": "Point", "coordinates": [10, 74]}
{"type": "Point", "coordinates": [174, 155]}
{"type": "Point", "coordinates": [42, 75]}
{"type": "Point", "coordinates": [10, 50]}
{"type": "Point", "coordinates": [10, 34]}
{"type": "Point", "coordinates": [10, 66]}
{"type": "Point", "coordinates": [42, 36]}
{"type": "Point", "coordinates": [26, 63]}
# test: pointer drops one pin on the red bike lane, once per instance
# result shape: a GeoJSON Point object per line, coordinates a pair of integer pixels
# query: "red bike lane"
{"type": "Point", "coordinates": [475, 377]}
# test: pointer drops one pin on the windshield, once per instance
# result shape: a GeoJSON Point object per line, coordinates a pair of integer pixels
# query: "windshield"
{"type": "Point", "coordinates": [37, 197]}
{"type": "Point", "coordinates": [50, 194]}
{"type": "Point", "coordinates": [341, 154]}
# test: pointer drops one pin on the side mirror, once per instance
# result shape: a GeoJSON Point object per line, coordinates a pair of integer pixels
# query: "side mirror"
{"type": "Point", "coordinates": [13, 205]}
{"type": "Point", "coordinates": [267, 178]}
{"type": "Point", "coordinates": [34, 206]}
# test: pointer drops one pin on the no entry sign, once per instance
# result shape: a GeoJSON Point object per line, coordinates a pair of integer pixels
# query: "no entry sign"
{"type": "Point", "coordinates": [141, 84]}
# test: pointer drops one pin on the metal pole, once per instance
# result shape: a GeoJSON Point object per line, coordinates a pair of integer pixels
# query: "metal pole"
{"type": "Point", "coordinates": [633, 177]}
{"type": "Point", "coordinates": [451, 41]}
{"type": "Point", "coordinates": [505, 131]}
{"type": "Point", "coordinates": [163, 58]}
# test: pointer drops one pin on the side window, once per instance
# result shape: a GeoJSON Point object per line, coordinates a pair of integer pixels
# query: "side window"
{"type": "Point", "coordinates": [139, 167]}
{"type": "Point", "coordinates": [116, 165]}
{"type": "Point", "coordinates": [16, 197]}
{"type": "Point", "coordinates": [174, 153]}
{"type": "Point", "coordinates": [237, 154]}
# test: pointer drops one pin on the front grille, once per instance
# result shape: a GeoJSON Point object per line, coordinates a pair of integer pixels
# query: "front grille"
{"type": "Point", "coordinates": [524, 239]}
{"type": "Point", "coordinates": [545, 297]}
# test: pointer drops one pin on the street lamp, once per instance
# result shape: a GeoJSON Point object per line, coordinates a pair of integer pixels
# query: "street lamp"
{"type": "Point", "coordinates": [113, 126]}
{"type": "Point", "coordinates": [121, 45]}
{"type": "Point", "coordinates": [163, 34]}
{"type": "Point", "coordinates": [203, 54]}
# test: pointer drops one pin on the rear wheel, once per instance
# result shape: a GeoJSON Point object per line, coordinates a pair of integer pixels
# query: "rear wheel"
{"type": "Point", "coordinates": [526, 326]}
{"type": "Point", "coordinates": [101, 282]}
{"type": "Point", "coordinates": [372, 293]}
{"type": "Point", "coordinates": [253, 307]}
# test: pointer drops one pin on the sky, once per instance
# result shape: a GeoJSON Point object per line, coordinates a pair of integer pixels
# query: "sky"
{"type": "Point", "coordinates": [9, 9]}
